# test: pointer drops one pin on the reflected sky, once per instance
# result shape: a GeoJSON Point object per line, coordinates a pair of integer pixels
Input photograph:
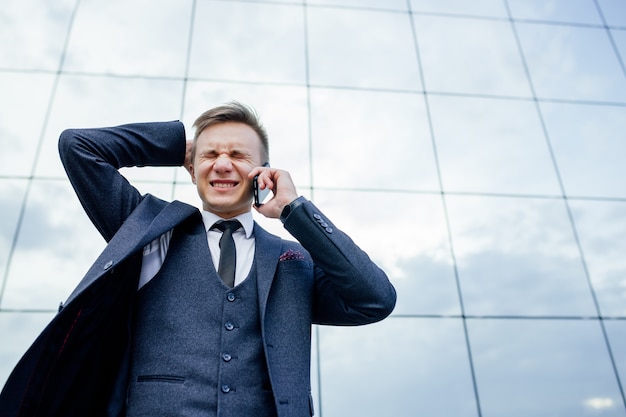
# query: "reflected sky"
{"type": "Point", "coordinates": [339, 49]}
{"type": "Point", "coordinates": [129, 49]}
{"type": "Point", "coordinates": [225, 27]}
{"type": "Point", "coordinates": [589, 147]}
{"type": "Point", "coordinates": [493, 146]}
{"type": "Point", "coordinates": [572, 62]}
{"type": "Point", "coordinates": [416, 365]}
{"type": "Point", "coordinates": [483, 52]}
{"type": "Point", "coordinates": [601, 226]}
{"type": "Point", "coordinates": [474, 149]}
{"type": "Point", "coordinates": [518, 257]}
{"type": "Point", "coordinates": [390, 130]}
{"type": "Point", "coordinates": [543, 368]}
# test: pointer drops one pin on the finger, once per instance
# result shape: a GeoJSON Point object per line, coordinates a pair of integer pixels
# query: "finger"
{"type": "Point", "coordinates": [258, 171]}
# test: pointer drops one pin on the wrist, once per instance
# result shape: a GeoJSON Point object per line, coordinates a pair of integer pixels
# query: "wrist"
{"type": "Point", "coordinates": [290, 208]}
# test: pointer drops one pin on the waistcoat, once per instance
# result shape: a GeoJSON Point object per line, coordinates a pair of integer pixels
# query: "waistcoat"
{"type": "Point", "coordinates": [197, 347]}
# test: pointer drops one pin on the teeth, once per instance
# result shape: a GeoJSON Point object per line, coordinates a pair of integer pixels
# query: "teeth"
{"type": "Point", "coordinates": [223, 185]}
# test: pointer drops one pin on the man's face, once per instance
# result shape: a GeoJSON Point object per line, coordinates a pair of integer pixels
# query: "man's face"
{"type": "Point", "coordinates": [225, 155]}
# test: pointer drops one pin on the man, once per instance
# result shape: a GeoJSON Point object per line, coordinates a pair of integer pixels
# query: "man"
{"type": "Point", "coordinates": [162, 325]}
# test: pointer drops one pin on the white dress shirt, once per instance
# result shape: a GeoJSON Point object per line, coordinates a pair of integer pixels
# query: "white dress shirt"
{"type": "Point", "coordinates": [154, 253]}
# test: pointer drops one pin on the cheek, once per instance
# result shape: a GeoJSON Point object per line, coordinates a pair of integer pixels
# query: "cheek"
{"type": "Point", "coordinates": [201, 170]}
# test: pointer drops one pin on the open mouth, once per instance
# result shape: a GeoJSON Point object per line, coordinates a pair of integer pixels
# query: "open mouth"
{"type": "Point", "coordinates": [223, 184]}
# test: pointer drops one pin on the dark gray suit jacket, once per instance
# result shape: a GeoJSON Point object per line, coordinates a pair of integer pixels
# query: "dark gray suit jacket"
{"type": "Point", "coordinates": [78, 365]}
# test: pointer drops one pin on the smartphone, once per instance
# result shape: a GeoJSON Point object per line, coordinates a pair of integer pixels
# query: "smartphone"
{"type": "Point", "coordinates": [259, 195]}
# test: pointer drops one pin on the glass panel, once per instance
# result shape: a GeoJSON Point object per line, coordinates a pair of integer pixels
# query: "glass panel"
{"type": "Point", "coordinates": [11, 198]}
{"type": "Point", "coordinates": [571, 11]}
{"type": "Point", "coordinates": [283, 112]}
{"type": "Point", "coordinates": [406, 235]}
{"type": "Point", "coordinates": [601, 227]}
{"type": "Point", "coordinates": [616, 332]}
{"type": "Point", "coordinates": [470, 56]}
{"type": "Point", "coordinates": [619, 37]}
{"type": "Point", "coordinates": [130, 37]}
{"type": "Point", "coordinates": [399, 367]}
{"type": "Point", "coordinates": [491, 8]}
{"type": "Point", "coordinates": [371, 140]}
{"type": "Point", "coordinates": [614, 12]}
{"type": "Point", "coordinates": [248, 42]}
{"type": "Point", "coordinates": [517, 256]}
{"type": "Point", "coordinates": [492, 146]}
{"type": "Point", "coordinates": [365, 4]}
{"type": "Point", "coordinates": [543, 368]}
{"type": "Point", "coordinates": [23, 103]}
{"type": "Point", "coordinates": [187, 193]}
{"type": "Point", "coordinates": [589, 147]}
{"type": "Point", "coordinates": [19, 331]}
{"type": "Point", "coordinates": [33, 32]}
{"type": "Point", "coordinates": [366, 158]}
{"type": "Point", "coordinates": [56, 245]}
{"type": "Point", "coordinates": [85, 102]}
{"type": "Point", "coordinates": [357, 48]}
{"type": "Point", "coordinates": [575, 63]}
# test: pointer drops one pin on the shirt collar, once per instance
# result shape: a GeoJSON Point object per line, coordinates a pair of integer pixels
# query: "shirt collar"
{"type": "Point", "coordinates": [245, 219]}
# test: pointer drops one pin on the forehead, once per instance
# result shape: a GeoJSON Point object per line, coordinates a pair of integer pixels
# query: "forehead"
{"type": "Point", "coordinates": [229, 135]}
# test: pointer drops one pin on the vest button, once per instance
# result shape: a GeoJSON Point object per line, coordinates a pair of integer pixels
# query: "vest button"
{"type": "Point", "coordinates": [226, 357]}
{"type": "Point", "coordinates": [225, 389]}
{"type": "Point", "coordinates": [231, 297]}
{"type": "Point", "coordinates": [229, 326]}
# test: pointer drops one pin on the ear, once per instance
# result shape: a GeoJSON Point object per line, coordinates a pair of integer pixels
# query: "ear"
{"type": "Point", "coordinates": [192, 173]}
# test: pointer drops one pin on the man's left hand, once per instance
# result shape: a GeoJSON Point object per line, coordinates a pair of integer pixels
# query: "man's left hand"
{"type": "Point", "coordinates": [282, 186]}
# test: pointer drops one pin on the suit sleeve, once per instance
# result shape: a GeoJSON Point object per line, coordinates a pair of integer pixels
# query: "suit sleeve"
{"type": "Point", "coordinates": [92, 158]}
{"type": "Point", "coordinates": [349, 288]}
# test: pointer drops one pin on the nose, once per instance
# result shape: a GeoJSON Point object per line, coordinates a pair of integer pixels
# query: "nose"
{"type": "Point", "coordinates": [223, 164]}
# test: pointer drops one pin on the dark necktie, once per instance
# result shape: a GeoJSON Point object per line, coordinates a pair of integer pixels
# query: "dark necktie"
{"type": "Point", "coordinates": [228, 254]}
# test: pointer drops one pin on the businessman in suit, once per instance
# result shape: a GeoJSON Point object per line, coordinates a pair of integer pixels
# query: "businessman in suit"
{"type": "Point", "coordinates": [173, 319]}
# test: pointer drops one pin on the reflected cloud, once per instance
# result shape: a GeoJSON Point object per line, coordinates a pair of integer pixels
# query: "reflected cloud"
{"type": "Point", "coordinates": [600, 403]}
{"type": "Point", "coordinates": [23, 329]}
{"type": "Point", "coordinates": [371, 140]}
{"type": "Point", "coordinates": [413, 229]}
{"type": "Point", "coordinates": [84, 101]}
{"type": "Point", "coordinates": [416, 365]}
{"type": "Point", "coordinates": [227, 43]}
{"type": "Point", "coordinates": [517, 256]}
{"type": "Point", "coordinates": [493, 146]}
{"type": "Point", "coordinates": [541, 367]}
{"type": "Point", "coordinates": [570, 11]}
{"type": "Point", "coordinates": [601, 227]}
{"type": "Point", "coordinates": [32, 33]}
{"type": "Point", "coordinates": [344, 50]}
{"type": "Point", "coordinates": [490, 8]}
{"type": "Point", "coordinates": [11, 197]}
{"type": "Point", "coordinates": [470, 56]}
{"type": "Point", "coordinates": [106, 38]}
{"type": "Point", "coordinates": [406, 236]}
{"type": "Point", "coordinates": [569, 62]}
{"type": "Point", "coordinates": [55, 247]}
{"type": "Point", "coordinates": [373, 4]}
{"type": "Point", "coordinates": [589, 147]}
{"type": "Point", "coordinates": [23, 105]}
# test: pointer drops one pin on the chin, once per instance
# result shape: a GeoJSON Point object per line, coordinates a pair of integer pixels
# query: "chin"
{"type": "Point", "coordinates": [227, 208]}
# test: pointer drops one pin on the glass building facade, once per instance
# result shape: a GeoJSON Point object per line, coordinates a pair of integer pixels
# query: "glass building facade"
{"type": "Point", "coordinates": [475, 149]}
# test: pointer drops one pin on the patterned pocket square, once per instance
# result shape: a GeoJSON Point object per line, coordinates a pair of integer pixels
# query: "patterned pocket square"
{"type": "Point", "coordinates": [291, 255]}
